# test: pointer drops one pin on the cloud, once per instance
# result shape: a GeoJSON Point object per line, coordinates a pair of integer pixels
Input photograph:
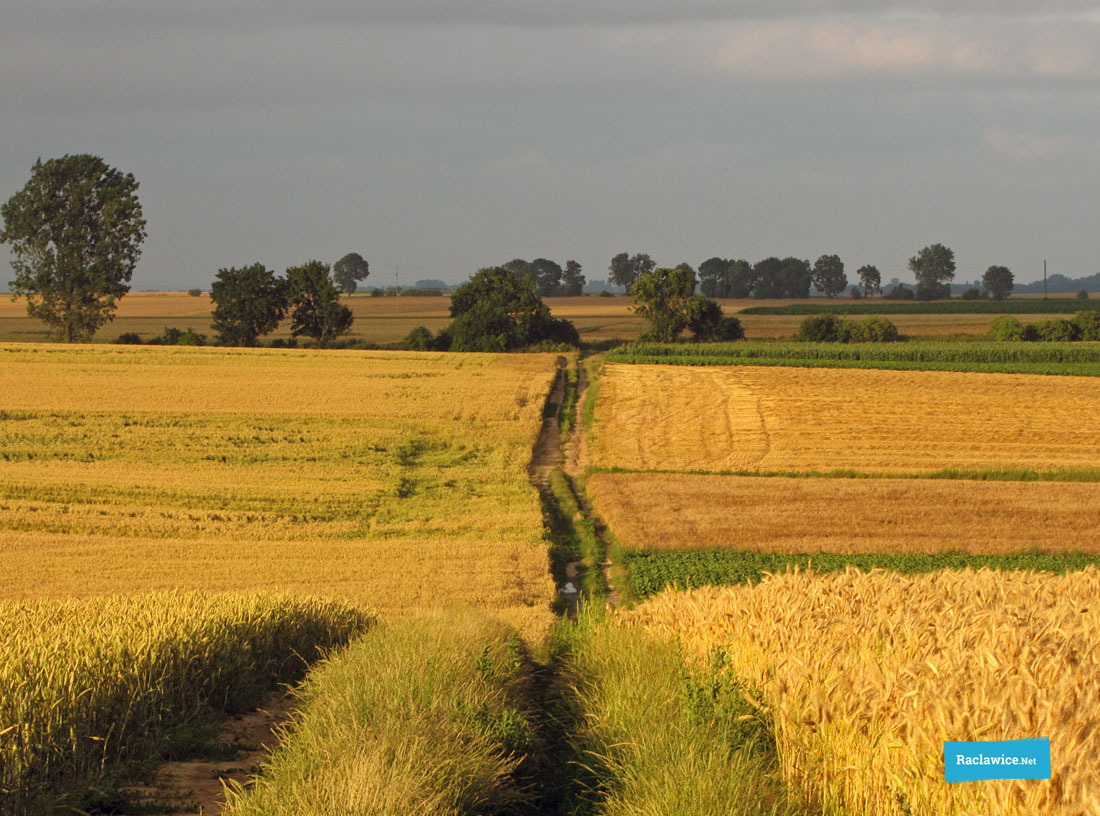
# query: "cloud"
{"type": "Point", "coordinates": [1027, 146]}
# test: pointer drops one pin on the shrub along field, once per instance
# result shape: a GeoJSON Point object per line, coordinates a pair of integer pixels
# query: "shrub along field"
{"type": "Point", "coordinates": [395, 480]}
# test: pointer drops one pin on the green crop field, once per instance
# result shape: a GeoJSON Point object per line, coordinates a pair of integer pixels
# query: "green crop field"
{"type": "Point", "coordinates": [1080, 359]}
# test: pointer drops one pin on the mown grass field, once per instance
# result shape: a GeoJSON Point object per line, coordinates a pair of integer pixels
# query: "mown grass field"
{"type": "Point", "coordinates": [797, 419]}
{"type": "Point", "coordinates": [865, 675]}
{"type": "Point", "coordinates": [394, 480]}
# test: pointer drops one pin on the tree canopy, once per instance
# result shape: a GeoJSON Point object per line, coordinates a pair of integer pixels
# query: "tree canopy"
{"type": "Point", "coordinates": [934, 269]}
{"type": "Point", "coordinates": [76, 230]}
{"type": "Point", "coordinates": [248, 302]}
{"type": "Point", "coordinates": [828, 275]}
{"type": "Point", "coordinates": [572, 280]}
{"type": "Point", "coordinates": [497, 310]}
{"type": "Point", "coordinates": [870, 279]}
{"type": "Point", "coordinates": [315, 306]}
{"type": "Point", "coordinates": [997, 280]}
{"type": "Point", "coordinates": [625, 269]}
{"type": "Point", "coordinates": [661, 298]}
{"type": "Point", "coordinates": [349, 270]}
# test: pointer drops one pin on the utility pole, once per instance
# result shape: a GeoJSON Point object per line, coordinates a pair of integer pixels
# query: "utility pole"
{"type": "Point", "coordinates": [1044, 278]}
{"type": "Point", "coordinates": [396, 287]}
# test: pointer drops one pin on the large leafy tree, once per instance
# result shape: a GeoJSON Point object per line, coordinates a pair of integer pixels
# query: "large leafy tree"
{"type": "Point", "coordinates": [496, 310]}
{"type": "Point", "coordinates": [713, 277]}
{"type": "Point", "coordinates": [934, 269]}
{"type": "Point", "coordinates": [870, 279]}
{"type": "Point", "coordinates": [998, 281]}
{"type": "Point", "coordinates": [828, 275]}
{"type": "Point", "coordinates": [625, 269]}
{"type": "Point", "coordinates": [572, 279]}
{"type": "Point", "coordinates": [76, 230]}
{"type": "Point", "coordinates": [661, 297]}
{"type": "Point", "coordinates": [248, 302]}
{"type": "Point", "coordinates": [349, 270]}
{"type": "Point", "coordinates": [547, 276]}
{"type": "Point", "coordinates": [314, 302]}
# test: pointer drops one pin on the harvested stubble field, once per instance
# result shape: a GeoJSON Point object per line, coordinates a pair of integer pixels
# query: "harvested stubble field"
{"type": "Point", "coordinates": [672, 511]}
{"type": "Point", "coordinates": [742, 418]}
{"type": "Point", "coordinates": [866, 675]}
{"type": "Point", "coordinates": [393, 479]}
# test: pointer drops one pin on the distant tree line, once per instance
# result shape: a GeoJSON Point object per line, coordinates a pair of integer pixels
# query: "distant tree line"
{"type": "Point", "coordinates": [549, 279]}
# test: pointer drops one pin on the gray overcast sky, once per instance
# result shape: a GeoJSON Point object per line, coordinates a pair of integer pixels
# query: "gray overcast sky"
{"type": "Point", "coordinates": [440, 136]}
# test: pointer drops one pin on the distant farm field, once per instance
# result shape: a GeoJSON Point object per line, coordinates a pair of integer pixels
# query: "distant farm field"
{"type": "Point", "coordinates": [388, 320]}
{"type": "Point", "coordinates": [393, 479]}
{"type": "Point", "coordinates": [659, 511]}
{"type": "Point", "coordinates": [784, 419]}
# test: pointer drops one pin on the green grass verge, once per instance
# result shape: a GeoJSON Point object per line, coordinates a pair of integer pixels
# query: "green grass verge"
{"type": "Point", "coordinates": [425, 715]}
{"type": "Point", "coordinates": [888, 307]}
{"type": "Point", "coordinates": [567, 410]}
{"type": "Point", "coordinates": [1082, 359]}
{"type": "Point", "coordinates": [579, 533]}
{"type": "Point", "coordinates": [94, 691]}
{"type": "Point", "coordinates": [652, 571]}
{"type": "Point", "coordinates": [658, 738]}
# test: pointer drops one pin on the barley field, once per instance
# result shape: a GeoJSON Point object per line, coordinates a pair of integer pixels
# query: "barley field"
{"type": "Point", "coordinates": [392, 479]}
{"type": "Point", "coordinates": [672, 511]}
{"type": "Point", "coordinates": [742, 418]}
{"type": "Point", "coordinates": [866, 675]}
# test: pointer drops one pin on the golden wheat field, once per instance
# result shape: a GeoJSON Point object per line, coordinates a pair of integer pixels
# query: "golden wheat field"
{"type": "Point", "coordinates": [866, 676]}
{"type": "Point", "coordinates": [651, 417]}
{"type": "Point", "coordinates": [393, 479]}
{"type": "Point", "coordinates": [659, 511]}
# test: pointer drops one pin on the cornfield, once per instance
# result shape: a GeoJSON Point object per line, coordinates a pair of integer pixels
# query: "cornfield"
{"type": "Point", "coordinates": [867, 674]}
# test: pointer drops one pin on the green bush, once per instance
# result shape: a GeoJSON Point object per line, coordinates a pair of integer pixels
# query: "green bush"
{"type": "Point", "coordinates": [1056, 330]}
{"type": "Point", "coordinates": [1083, 294]}
{"type": "Point", "coordinates": [972, 294]}
{"type": "Point", "coordinates": [419, 339]}
{"type": "Point", "coordinates": [194, 292]}
{"type": "Point", "coordinates": [1006, 328]}
{"type": "Point", "coordinates": [900, 292]}
{"type": "Point", "coordinates": [873, 329]}
{"type": "Point", "coordinates": [829, 328]}
{"type": "Point", "coordinates": [1088, 325]}
{"type": "Point", "coordinates": [179, 337]}
{"type": "Point", "coordinates": [826, 328]}
{"type": "Point", "coordinates": [129, 339]}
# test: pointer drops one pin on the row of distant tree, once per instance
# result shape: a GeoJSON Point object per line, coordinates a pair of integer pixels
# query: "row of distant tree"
{"type": "Point", "coordinates": [77, 227]}
{"type": "Point", "coordinates": [933, 267]}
